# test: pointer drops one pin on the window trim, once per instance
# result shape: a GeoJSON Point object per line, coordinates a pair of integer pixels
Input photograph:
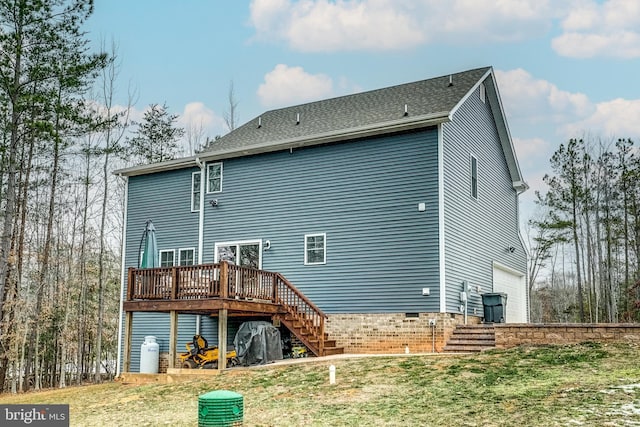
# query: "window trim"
{"type": "Point", "coordinates": [193, 175]}
{"type": "Point", "coordinates": [238, 243]}
{"type": "Point", "coordinates": [173, 258]}
{"type": "Point", "coordinates": [324, 249]}
{"type": "Point", "coordinates": [181, 250]}
{"type": "Point", "coordinates": [483, 92]}
{"type": "Point", "coordinates": [474, 179]}
{"type": "Point", "coordinates": [209, 191]}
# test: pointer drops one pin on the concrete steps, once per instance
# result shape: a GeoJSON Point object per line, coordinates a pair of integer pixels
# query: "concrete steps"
{"type": "Point", "coordinates": [471, 339]}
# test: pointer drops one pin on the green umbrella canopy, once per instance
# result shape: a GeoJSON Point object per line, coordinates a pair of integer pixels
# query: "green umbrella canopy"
{"type": "Point", "coordinates": [150, 254]}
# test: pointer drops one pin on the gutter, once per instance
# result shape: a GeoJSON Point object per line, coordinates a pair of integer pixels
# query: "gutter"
{"type": "Point", "coordinates": [285, 144]}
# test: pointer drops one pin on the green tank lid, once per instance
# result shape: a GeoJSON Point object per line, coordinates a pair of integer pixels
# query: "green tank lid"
{"type": "Point", "coordinates": [220, 408]}
{"type": "Point", "coordinates": [220, 394]}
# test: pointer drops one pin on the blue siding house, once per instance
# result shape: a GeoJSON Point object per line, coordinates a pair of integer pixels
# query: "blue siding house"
{"type": "Point", "coordinates": [379, 207]}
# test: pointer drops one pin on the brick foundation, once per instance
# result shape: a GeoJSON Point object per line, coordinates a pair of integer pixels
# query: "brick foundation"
{"type": "Point", "coordinates": [392, 332]}
{"type": "Point", "coordinates": [163, 363]}
{"type": "Point", "coordinates": [512, 335]}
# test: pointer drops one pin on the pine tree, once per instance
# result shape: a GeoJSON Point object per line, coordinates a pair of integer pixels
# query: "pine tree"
{"type": "Point", "coordinates": [565, 196]}
{"type": "Point", "coordinates": [156, 136]}
{"type": "Point", "coordinates": [44, 69]}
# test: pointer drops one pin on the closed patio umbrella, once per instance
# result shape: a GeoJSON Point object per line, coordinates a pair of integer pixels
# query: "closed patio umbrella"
{"type": "Point", "coordinates": [150, 254]}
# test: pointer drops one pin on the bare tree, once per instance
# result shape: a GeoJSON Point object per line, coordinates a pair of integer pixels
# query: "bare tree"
{"type": "Point", "coordinates": [195, 136]}
{"type": "Point", "coordinates": [113, 134]}
{"type": "Point", "coordinates": [230, 115]}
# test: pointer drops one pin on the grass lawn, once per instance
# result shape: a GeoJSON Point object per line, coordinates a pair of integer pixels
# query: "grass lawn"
{"type": "Point", "coordinates": [589, 384]}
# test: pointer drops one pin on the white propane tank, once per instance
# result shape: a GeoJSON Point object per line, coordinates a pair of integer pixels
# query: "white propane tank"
{"type": "Point", "coordinates": [149, 356]}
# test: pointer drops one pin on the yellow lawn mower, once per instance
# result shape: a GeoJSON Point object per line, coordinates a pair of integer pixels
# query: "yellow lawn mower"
{"type": "Point", "coordinates": [200, 355]}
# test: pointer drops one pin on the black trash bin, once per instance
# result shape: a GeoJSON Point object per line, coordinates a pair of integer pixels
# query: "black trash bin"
{"type": "Point", "coordinates": [494, 305]}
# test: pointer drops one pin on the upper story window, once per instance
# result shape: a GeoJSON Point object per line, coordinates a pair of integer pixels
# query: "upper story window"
{"type": "Point", "coordinates": [167, 258]}
{"type": "Point", "coordinates": [186, 256]}
{"type": "Point", "coordinates": [196, 185]}
{"type": "Point", "coordinates": [483, 92]}
{"type": "Point", "coordinates": [315, 249]}
{"type": "Point", "coordinates": [474, 177]}
{"type": "Point", "coordinates": [214, 178]}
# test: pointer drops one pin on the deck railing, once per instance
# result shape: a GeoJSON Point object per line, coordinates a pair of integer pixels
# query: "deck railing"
{"type": "Point", "coordinates": [174, 283]}
{"type": "Point", "coordinates": [223, 280]}
{"type": "Point", "coordinates": [301, 309]}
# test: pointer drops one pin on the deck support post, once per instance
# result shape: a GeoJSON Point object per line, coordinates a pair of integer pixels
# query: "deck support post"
{"type": "Point", "coordinates": [222, 338]}
{"type": "Point", "coordinates": [173, 337]}
{"type": "Point", "coordinates": [224, 279]}
{"type": "Point", "coordinates": [126, 352]}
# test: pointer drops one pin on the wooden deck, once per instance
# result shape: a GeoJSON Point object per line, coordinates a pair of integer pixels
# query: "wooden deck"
{"type": "Point", "coordinates": [223, 290]}
{"type": "Point", "coordinates": [206, 288]}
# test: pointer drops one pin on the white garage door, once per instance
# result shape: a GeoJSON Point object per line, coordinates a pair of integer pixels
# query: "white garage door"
{"type": "Point", "coordinates": [513, 284]}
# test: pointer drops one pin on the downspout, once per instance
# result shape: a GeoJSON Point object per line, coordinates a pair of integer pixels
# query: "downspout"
{"type": "Point", "coordinates": [441, 234]}
{"type": "Point", "coordinates": [519, 190]}
{"type": "Point", "coordinates": [201, 165]}
{"type": "Point", "coordinates": [123, 274]}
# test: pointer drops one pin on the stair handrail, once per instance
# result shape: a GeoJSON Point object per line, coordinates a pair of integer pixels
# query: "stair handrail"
{"type": "Point", "coordinates": [225, 280]}
{"type": "Point", "coordinates": [302, 296]}
{"type": "Point", "coordinates": [303, 310]}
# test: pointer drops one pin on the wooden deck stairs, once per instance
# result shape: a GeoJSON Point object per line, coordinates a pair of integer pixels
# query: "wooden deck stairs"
{"type": "Point", "coordinates": [471, 339]}
{"type": "Point", "coordinates": [318, 345]}
{"type": "Point", "coordinates": [303, 318]}
{"type": "Point", "coordinates": [212, 289]}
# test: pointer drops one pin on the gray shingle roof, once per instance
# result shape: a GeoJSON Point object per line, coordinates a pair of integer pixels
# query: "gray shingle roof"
{"type": "Point", "coordinates": [375, 112]}
{"type": "Point", "coordinates": [423, 98]}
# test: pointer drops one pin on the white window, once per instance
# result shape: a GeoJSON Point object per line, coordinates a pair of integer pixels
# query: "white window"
{"type": "Point", "coordinates": [214, 178]}
{"type": "Point", "coordinates": [167, 258]}
{"type": "Point", "coordinates": [245, 253]}
{"type": "Point", "coordinates": [483, 92]}
{"type": "Point", "coordinates": [186, 256]}
{"type": "Point", "coordinates": [196, 180]}
{"type": "Point", "coordinates": [474, 177]}
{"type": "Point", "coordinates": [315, 249]}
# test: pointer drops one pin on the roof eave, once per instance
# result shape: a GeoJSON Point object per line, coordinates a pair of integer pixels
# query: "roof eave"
{"type": "Point", "coordinates": [404, 124]}
{"type": "Point", "coordinates": [181, 163]}
{"type": "Point", "coordinates": [501, 124]}
{"type": "Point", "coordinates": [520, 186]}
{"type": "Point", "coordinates": [332, 136]}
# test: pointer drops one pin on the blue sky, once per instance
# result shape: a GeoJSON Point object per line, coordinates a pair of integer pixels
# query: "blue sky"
{"type": "Point", "coordinates": [565, 68]}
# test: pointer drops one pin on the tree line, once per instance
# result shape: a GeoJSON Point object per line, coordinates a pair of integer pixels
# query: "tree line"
{"type": "Point", "coordinates": [585, 242]}
{"type": "Point", "coordinates": [61, 213]}
{"type": "Point", "coordinates": [62, 134]}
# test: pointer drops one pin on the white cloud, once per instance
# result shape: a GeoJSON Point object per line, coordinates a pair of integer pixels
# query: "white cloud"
{"type": "Point", "coordinates": [268, 15]}
{"type": "Point", "coordinates": [607, 29]}
{"type": "Point", "coordinates": [199, 123]}
{"type": "Point", "coordinates": [286, 85]}
{"type": "Point", "coordinates": [542, 115]}
{"type": "Point", "coordinates": [490, 20]}
{"type": "Point", "coordinates": [531, 150]}
{"type": "Point", "coordinates": [321, 25]}
{"type": "Point", "coordinates": [198, 114]}
{"type": "Point", "coordinates": [617, 118]}
{"type": "Point", "coordinates": [533, 156]}
{"type": "Point", "coordinates": [345, 25]}
{"type": "Point", "coordinates": [537, 101]}
{"type": "Point", "coordinates": [133, 114]}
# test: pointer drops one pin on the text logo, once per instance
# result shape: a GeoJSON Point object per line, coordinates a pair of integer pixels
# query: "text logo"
{"type": "Point", "coordinates": [34, 415]}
